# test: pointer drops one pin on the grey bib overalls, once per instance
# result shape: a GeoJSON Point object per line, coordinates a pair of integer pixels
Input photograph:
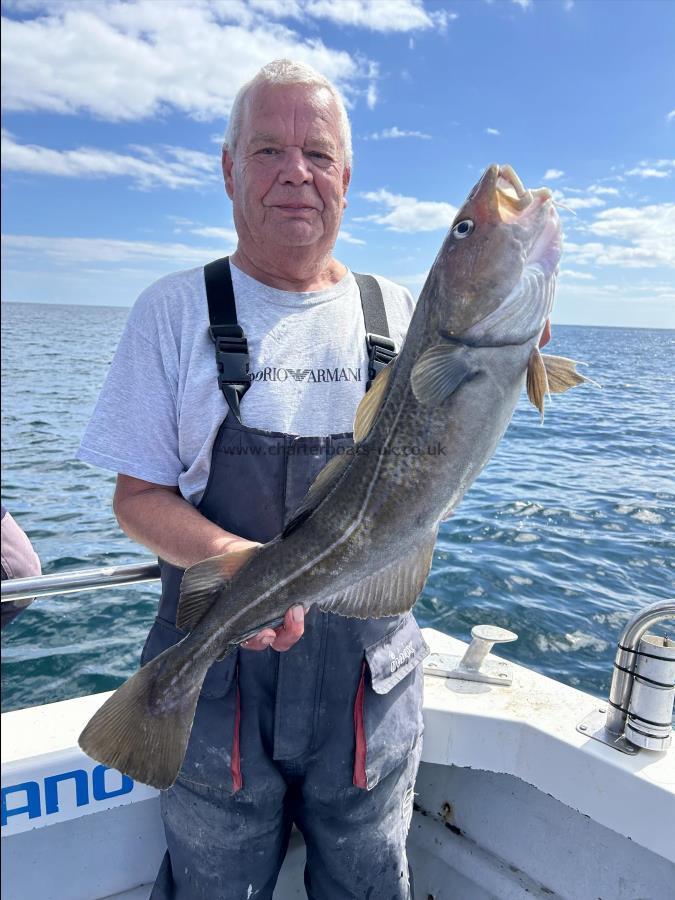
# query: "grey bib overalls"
{"type": "Point", "coordinates": [325, 735]}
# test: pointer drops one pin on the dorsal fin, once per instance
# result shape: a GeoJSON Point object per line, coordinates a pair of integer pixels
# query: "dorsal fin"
{"type": "Point", "coordinates": [319, 488]}
{"type": "Point", "coordinates": [370, 404]}
{"type": "Point", "coordinates": [203, 582]}
{"type": "Point", "coordinates": [332, 471]}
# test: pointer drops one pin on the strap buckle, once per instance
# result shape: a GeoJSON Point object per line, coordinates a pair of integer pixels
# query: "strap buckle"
{"type": "Point", "coordinates": [381, 351]}
{"type": "Point", "coordinates": [231, 356]}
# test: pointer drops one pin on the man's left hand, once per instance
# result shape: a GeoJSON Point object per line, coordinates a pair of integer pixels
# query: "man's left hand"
{"type": "Point", "coordinates": [281, 638]}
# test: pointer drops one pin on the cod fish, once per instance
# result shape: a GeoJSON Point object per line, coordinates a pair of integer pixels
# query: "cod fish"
{"type": "Point", "coordinates": [361, 542]}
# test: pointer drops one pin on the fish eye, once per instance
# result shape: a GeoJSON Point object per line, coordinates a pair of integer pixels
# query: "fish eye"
{"type": "Point", "coordinates": [463, 229]}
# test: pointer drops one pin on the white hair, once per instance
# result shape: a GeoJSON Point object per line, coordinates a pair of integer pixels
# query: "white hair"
{"type": "Point", "coordinates": [287, 71]}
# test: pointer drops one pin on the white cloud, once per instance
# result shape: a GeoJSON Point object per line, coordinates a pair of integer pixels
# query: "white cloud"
{"type": "Point", "coordinates": [628, 302]}
{"type": "Point", "coordinates": [657, 168]}
{"type": "Point", "coordinates": [670, 116]}
{"type": "Point", "coordinates": [69, 250]}
{"type": "Point", "coordinates": [574, 273]}
{"type": "Point", "coordinates": [601, 189]}
{"type": "Point", "coordinates": [408, 213]}
{"type": "Point", "coordinates": [551, 174]}
{"type": "Point", "coordinates": [222, 234]}
{"type": "Point", "coordinates": [523, 4]}
{"type": "Point", "coordinates": [348, 237]}
{"type": "Point", "coordinates": [492, 131]}
{"type": "Point", "coordinates": [126, 61]}
{"type": "Point", "coordinates": [635, 238]}
{"type": "Point", "coordinates": [171, 167]}
{"type": "Point", "coordinates": [123, 61]}
{"type": "Point", "coordinates": [188, 226]}
{"type": "Point", "coordinates": [649, 229]}
{"type": "Point", "coordinates": [394, 15]}
{"type": "Point", "coordinates": [577, 203]}
{"type": "Point", "coordinates": [402, 15]}
{"type": "Point", "coordinates": [648, 172]}
{"type": "Point", "coordinates": [396, 132]}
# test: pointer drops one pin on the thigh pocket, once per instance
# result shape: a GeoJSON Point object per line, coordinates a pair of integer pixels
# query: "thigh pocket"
{"type": "Point", "coordinates": [212, 757]}
{"type": "Point", "coordinates": [219, 677]}
{"type": "Point", "coordinates": [388, 707]}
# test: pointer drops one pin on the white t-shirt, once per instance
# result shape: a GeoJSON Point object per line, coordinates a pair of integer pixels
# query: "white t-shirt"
{"type": "Point", "coordinates": [160, 407]}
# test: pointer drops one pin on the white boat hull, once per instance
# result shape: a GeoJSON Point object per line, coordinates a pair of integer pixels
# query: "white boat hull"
{"type": "Point", "coordinates": [511, 802]}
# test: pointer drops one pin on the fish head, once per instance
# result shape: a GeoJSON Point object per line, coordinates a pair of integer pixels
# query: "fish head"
{"type": "Point", "coordinates": [494, 276]}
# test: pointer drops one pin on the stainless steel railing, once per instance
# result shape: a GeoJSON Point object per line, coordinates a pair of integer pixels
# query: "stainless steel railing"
{"type": "Point", "coordinates": [624, 663]}
{"type": "Point", "coordinates": [77, 580]}
{"type": "Point", "coordinates": [638, 714]}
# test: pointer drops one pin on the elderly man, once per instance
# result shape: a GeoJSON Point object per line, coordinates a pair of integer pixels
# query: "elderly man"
{"type": "Point", "coordinates": [232, 386]}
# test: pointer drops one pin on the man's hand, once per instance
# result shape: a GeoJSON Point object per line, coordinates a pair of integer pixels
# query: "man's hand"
{"type": "Point", "coordinates": [281, 638]}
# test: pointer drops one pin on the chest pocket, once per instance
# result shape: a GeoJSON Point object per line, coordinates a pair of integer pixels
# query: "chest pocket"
{"type": "Point", "coordinates": [388, 708]}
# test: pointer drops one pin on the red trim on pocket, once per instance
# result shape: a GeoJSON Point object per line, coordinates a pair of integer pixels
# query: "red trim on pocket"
{"type": "Point", "coordinates": [360, 779]}
{"type": "Point", "coordinates": [235, 765]}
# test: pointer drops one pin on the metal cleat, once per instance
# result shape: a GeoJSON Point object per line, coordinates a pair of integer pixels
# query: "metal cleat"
{"type": "Point", "coordinates": [474, 665]}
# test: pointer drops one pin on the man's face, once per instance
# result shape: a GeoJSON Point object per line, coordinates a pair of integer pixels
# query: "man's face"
{"type": "Point", "coordinates": [287, 180]}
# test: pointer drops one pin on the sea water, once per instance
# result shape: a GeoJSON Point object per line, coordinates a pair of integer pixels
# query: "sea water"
{"type": "Point", "coordinates": [567, 532]}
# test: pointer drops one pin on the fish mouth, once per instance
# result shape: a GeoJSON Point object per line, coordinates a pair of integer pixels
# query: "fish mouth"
{"type": "Point", "coordinates": [511, 198]}
{"type": "Point", "coordinates": [532, 210]}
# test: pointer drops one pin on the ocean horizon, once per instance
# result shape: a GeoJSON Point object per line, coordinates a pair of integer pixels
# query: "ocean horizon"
{"type": "Point", "coordinates": [128, 306]}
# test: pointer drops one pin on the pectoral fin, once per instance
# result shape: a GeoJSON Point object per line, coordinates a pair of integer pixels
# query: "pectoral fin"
{"type": "Point", "coordinates": [439, 372]}
{"type": "Point", "coordinates": [388, 592]}
{"type": "Point", "coordinates": [551, 375]}
{"type": "Point", "coordinates": [537, 381]}
{"type": "Point", "coordinates": [203, 582]}
{"type": "Point", "coordinates": [562, 374]}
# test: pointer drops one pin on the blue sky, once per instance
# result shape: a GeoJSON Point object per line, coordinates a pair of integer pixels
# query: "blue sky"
{"type": "Point", "coordinates": [113, 115]}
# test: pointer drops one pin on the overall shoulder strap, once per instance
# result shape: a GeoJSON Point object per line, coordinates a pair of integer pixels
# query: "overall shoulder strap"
{"type": "Point", "coordinates": [381, 349]}
{"type": "Point", "coordinates": [232, 358]}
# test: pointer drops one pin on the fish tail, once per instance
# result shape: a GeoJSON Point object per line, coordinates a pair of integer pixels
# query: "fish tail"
{"type": "Point", "coordinates": [143, 729]}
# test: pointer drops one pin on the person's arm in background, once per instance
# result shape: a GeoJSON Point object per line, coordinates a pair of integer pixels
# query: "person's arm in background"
{"type": "Point", "coordinates": [158, 517]}
{"type": "Point", "coordinates": [19, 560]}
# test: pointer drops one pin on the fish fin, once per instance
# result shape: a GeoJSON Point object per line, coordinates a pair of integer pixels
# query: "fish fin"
{"type": "Point", "coordinates": [389, 591]}
{"type": "Point", "coordinates": [537, 381]}
{"type": "Point", "coordinates": [203, 582]}
{"type": "Point", "coordinates": [370, 404]}
{"type": "Point", "coordinates": [439, 372]}
{"type": "Point", "coordinates": [143, 729]}
{"type": "Point", "coordinates": [562, 374]}
{"type": "Point", "coordinates": [319, 488]}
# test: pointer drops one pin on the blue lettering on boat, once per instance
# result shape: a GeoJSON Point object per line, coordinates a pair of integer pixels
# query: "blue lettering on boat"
{"type": "Point", "coordinates": [32, 799]}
